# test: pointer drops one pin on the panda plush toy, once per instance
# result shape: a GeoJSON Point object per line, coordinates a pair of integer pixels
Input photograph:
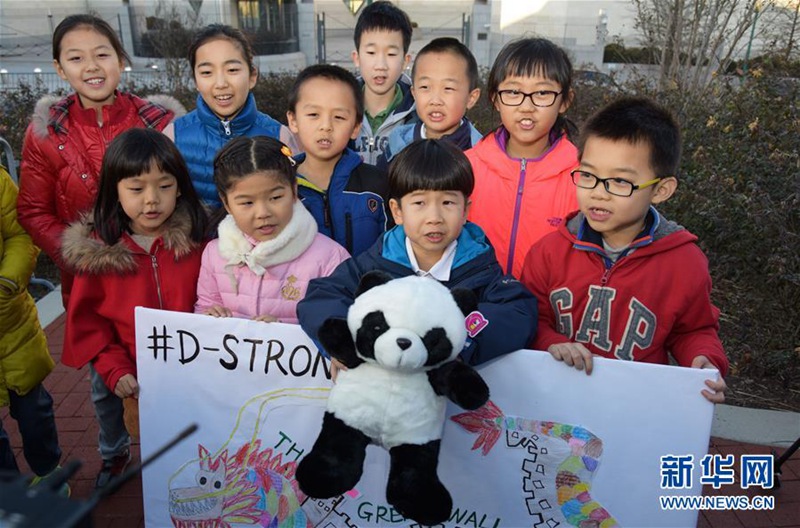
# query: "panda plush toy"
{"type": "Point", "coordinates": [399, 343]}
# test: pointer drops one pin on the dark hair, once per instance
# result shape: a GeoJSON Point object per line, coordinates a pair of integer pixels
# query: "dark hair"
{"type": "Point", "coordinates": [332, 73]}
{"type": "Point", "coordinates": [451, 45]}
{"type": "Point", "coordinates": [383, 15]}
{"type": "Point", "coordinates": [430, 165]}
{"type": "Point", "coordinates": [91, 22]}
{"type": "Point", "coordinates": [130, 154]}
{"type": "Point", "coordinates": [528, 57]}
{"type": "Point", "coordinates": [221, 32]}
{"type": "Point", "coordinates": [242, 156]}
{"type": "Point", "coordinates": [638, 120]}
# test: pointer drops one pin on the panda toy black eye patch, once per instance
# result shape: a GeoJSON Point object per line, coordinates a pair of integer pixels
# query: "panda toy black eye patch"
{"type": "Point", "coordinates": [438, 345]}
{"type": "Point", "coordinates": [372, 326]}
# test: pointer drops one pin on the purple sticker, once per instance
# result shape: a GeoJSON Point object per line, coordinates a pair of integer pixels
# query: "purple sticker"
{"type": "Point", "coordinates": [475, 322]}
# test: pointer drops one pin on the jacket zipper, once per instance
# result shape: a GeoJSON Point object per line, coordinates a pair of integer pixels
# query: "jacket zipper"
{"type": "Point", "coordinates": [227, 126]}
{"type": "Point", "coordinates": [515, 223]}
{"type": "Point", "coordinates": [605, 277]}
{"type": "Point", "coordinates": [348, 232]}
{"type": "Point", "coordinates": [154, 261]}
{"type": "Point", "coordinates": [326, 214]}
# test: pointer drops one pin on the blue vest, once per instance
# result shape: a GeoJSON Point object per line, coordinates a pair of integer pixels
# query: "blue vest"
{"type": "Point", "coordinates": [200, 134]}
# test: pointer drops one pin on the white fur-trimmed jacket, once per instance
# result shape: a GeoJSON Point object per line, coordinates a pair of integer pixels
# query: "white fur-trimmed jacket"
{"type": "Point", "coordinates": [265, 278]}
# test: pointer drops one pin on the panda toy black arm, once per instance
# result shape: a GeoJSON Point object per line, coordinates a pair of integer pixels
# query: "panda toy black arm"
{"type": "Point", "coordinates": [459, 383]}
{"type": "Point", "coordinates": [335, 337]}
{"type": "Point", "coordinates": [455, 380]}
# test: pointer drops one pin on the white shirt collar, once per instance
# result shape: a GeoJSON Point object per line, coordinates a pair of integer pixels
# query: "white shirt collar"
{"type": "Point", "coordinates": [439, 271]}
{"type": "Point", "coordinates": [424, 135]}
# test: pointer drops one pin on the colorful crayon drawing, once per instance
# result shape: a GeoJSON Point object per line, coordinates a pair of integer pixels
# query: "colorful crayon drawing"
{"type": "Point", "coordinates": [574, 473]}
{"type": "Point", "coordinates": [254, 486]}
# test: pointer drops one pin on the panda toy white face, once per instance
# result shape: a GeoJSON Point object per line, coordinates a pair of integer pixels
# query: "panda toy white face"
{"type": "Point", "coordinates": [407, 324]}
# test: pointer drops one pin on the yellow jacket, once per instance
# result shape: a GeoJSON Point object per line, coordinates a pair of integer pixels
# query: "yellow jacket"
{"type": "Point", "coordinates": [24, 358]}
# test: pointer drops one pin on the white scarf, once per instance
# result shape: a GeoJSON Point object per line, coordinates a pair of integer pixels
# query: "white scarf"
{"type": "Point", "coordinates": [290, 243]}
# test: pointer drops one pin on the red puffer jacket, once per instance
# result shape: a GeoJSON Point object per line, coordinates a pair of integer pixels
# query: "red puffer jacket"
{"type": "Point", "coordinates": [112, 281]}
{"type": "Point", "coordinates": [61, 158]}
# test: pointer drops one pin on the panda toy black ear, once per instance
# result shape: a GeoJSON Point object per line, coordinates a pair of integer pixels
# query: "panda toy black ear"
{"type": "Point", "coordinates": [465, 299]}
{"type": "Point", "coordinates": [372, 279]}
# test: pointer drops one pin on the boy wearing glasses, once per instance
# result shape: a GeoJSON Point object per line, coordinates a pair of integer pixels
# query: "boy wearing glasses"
{"type": "Point", "coordinates": [619, 280]}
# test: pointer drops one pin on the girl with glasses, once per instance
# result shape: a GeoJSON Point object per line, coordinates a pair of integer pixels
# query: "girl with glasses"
{"type": "Point", "coordinates": [523, 188]}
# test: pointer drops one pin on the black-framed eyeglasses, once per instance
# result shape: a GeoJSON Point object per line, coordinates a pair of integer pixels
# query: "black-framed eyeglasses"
{"type": "Point", "coordinates": [615, 186]}
{"type": "Point", "coordinates": [540, 98]}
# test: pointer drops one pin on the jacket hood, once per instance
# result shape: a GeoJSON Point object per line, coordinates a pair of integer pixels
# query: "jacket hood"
{"type": "Point", "coordinates": [491, 150]}
{"type": "Point", "coordinates": [85, 252]}
{"type": "Point", "coordinates": [41, 114]}
{"type": "Point", "coordinates": [659, 235]}
{"type": "Point", "coordinates": [472, 243]}
{"type": "Point", "coordinates": [43, 111]}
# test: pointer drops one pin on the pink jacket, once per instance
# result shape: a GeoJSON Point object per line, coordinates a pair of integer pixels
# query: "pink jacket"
{"type": "Point", "coordinates": [253, 278]}
{"type": "Point", "coordinates": [518, 201]}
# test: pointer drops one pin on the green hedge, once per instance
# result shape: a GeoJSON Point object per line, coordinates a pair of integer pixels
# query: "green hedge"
{"type": "Point", "coordinates": [739, 193]}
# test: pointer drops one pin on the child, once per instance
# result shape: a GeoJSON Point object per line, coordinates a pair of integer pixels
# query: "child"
{"type": "Point", "coordinates": [446, 79]}
{"type": "Point", "coordinates": [382, 38]}
{"type": "Point", "coordinates": [618, 279]}
{"type": "Point", "coordinates": [141, 247]}
{"type": "Point", "coordinates": [268, 247]}
{"type": "Point", "coordinates": [224, 72]}
{"type": "Point", "coordinates": [431, 181]}
{"type": "Point", "coordinates": [346, 196]}
{"type": "Point", "coordinates": [24, 358]}
{"type": "Point", "coordinates": [522, 185]}
{"type": "Point", "coordinates": [66, 140]}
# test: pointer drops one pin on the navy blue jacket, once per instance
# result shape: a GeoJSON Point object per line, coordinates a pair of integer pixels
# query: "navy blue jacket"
{"type": "Point", "coordinates": [200, 134]}
{"type": "Point", "coordinates": [354, 209]}
{"type": "Point", "coordinates": [508, 306]}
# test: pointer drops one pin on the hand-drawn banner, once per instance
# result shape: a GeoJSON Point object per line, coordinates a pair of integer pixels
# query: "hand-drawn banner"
{"type": "Point", "coordinates": [554, 447]}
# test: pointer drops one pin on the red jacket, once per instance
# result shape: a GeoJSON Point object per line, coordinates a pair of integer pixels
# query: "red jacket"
{"type": "Point", "coordinates": [61, 158]}
{"type": "Point", "coordinates": [112, 280]}
{"type": "Point", "coordinates": [650, 302]}
{"type": "Point", "coordinates": [518, 201]}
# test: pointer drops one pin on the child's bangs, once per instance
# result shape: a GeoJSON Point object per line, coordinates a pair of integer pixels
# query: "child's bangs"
{"type": "Point", "coordinates": [430, 168]}
{"type": "Point", "coordinates": [540, 64]}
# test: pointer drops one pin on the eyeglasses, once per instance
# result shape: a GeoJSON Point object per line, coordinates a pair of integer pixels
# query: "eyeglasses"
{"type": "Point", "coordinates": [615, 186]}
{"type": "Point", "coordinates": [541, 98]}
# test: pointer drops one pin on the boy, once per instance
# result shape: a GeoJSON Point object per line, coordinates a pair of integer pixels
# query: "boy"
{"type": "Point", "coordinates": [346, 197]}
{"type": "Point", "coordinates": [445, 77]}
{"type": "Point", "coordinates": [618, 279]}
{"type": "Point", "coordinates": [382, 38]}
{"type": "Point", "coordinates": [430, 183]}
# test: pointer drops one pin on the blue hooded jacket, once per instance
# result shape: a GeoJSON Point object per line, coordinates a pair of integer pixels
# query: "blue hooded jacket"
{"type": "Point", "coordinates": [509, 308]}
{"type": "Point", "coordinates": [353, 211]}
{"type": "Point", "coordinates": [200, 134]}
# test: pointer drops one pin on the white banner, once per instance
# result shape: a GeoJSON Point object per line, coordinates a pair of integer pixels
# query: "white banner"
{"type": "Point", "coordinates": [554, 446]}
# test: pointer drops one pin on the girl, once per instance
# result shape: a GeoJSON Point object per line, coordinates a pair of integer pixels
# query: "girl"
{"type": "Point", "coordinates": [268, 247]}
{"type": "Point", "coordinates": [24, 358]}
{"type": "Point", "coordinates": [66, 140]}
{"type": "Point", "coordinates": [523, 188]}
{"type": "Point", "coordinates": [141, 247]}
{"type": "Point", "coordinates": [222, 64]}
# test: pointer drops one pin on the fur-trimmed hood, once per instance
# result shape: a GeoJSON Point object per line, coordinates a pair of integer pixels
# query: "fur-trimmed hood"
{"type": "Point", "coordinates": [47, 109]}
{"type": "Point", "coordinates": [85, 252]}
